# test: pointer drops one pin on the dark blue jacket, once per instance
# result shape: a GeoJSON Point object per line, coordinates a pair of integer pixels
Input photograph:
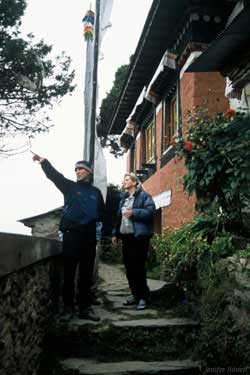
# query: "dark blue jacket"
{"type": "Point", "coordinates": [142, 214]}
{"type": "Point", "coordinates": [83, 203]}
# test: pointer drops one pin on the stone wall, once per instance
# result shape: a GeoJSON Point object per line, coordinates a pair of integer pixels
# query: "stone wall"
{"type": "Point", "coordinates": [225, 316]}
{"type": "Point", "coordinates": [235, 278]}
{"type": "Point", "coordinates": [44, 225]}
{"type": "Point", "coordinates": [30, 279]}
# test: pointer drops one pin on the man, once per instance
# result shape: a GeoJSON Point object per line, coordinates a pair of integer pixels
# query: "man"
{"type": "Point", "coordinates": [83, 208]}
{"type": "Point", "coordinates": [134, 227]}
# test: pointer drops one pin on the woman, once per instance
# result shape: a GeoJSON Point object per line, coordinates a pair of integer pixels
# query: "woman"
{"type": "Point", "coordinates": [135, 227]}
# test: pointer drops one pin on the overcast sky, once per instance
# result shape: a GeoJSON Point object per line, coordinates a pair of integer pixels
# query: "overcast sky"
{"type": "Point", "coordinates": [24, 190]}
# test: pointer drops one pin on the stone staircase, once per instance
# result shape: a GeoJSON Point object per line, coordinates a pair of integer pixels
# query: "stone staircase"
{"type": "Point", "coordinates": [125, 341]}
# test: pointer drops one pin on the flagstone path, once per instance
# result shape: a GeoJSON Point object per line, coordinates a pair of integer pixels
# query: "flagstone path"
{"type": "Point", "coordinates": [124, 341]}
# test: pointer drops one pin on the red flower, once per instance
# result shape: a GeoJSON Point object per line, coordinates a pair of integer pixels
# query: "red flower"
{"type": "Point", "coordinates": [188, 145]}
{"type": "Point", "coordinates": [230, 113]}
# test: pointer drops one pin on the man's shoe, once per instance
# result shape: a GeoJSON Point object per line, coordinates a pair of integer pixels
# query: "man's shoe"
{"type": "Point", "coordinates": [142, 305]}
{"type": "Point", "coordinates": [130, 301]}
{"type": "Point", "coordinates": [67, 315]}
{"type": "Point", "coordinates": [88, 314]}
{"type": "Point", "coordinates": [96, 301]}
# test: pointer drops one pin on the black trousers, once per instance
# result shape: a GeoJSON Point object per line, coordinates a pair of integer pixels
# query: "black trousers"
{"type": "Point", "coordinates": [135, 252]}
{"type": "Point", "coordinates": [78, 251]}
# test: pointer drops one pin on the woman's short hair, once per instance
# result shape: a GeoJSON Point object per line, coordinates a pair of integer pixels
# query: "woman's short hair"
{"type": "Point", "coordinates": [134, 178]}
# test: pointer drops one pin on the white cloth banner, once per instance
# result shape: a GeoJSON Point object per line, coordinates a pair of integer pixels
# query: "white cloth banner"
{"type": "Point", "coordinates": [100, 171]}
{"type": "Point", "coordinates": [105, 14]}
{"type": "Point", "coordinates": [88, 93]}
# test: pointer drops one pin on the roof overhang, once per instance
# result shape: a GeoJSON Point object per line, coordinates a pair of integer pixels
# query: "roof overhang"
{"type": "Point", "coordinates": [158, 33]}
{"type": "Point", "coordinates": [163, 25]}
{"type": "Point", "coordinates": [227, 48]}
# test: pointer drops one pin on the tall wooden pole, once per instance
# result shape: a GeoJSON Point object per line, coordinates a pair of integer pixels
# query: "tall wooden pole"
{"type": "Point", "coordinates": [94, 92]}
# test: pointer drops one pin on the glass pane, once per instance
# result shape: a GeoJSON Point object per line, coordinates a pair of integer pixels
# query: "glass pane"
{"type": "Point", "coordinates": [150, 142]}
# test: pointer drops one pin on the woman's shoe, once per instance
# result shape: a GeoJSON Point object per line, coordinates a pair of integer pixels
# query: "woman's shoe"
{"type": "Point", "coordinates": [130, 301]}
{"type": "Point", "coordinates": [142, 305]}
{"type": "Point", "coordinates": [95, 301]}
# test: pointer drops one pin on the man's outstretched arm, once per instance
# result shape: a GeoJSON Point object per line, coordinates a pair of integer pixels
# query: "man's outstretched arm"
{"type": "Point", "coordinates": [62, 183]}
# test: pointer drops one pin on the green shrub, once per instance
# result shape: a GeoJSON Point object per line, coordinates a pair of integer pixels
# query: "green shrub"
{"type": "Point", "coordinates": [186, 252]}
{"type": "Point", "coordinates": [245, 253]}
{"type": "Point", "coordinates": [217, 157]}
{"type": "Point", "coordinates": [110, 253]}
{"type": "Point", "coordinates": [223, 339]}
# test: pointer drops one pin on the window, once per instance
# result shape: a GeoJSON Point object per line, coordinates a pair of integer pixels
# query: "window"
{"type": "Point", "coordinates": [169, 121]}
{"type": "Point", "coordinates": [173, 118]}
{"type": "Point", "coordinates": [133, 159]}
{"type": "Point", "coordinates": [150, 142]}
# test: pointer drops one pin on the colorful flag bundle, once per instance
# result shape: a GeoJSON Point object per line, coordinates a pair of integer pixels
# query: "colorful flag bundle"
{"type": "Point", "coordinates": [88, 22]}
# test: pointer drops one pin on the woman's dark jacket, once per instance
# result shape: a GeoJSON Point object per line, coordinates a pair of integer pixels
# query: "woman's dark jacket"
{"type": "Point", "coordinates": [142, 214]}
{"type": "Point", "coordinates": [83, 203]}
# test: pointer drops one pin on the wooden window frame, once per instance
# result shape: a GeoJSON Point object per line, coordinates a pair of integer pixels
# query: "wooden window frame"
{"type": "Point", "coordinates": [173, 124]}
{"type": "Point", "coordinates": [132, 159]}
{"type": "Point", "coordinates": [170, 125]}
{"type": "Point", "coordinates": [150, 142]}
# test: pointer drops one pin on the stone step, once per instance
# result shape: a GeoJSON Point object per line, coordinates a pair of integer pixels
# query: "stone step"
{"type": "Point", "coordinates": [76, 366]}
{"type": "Point", "coordinates": [120, 339]}
{"type": "Point", "coordinates": [147, 342]}
{"type": "Point", "coordinates": [154, 323]}
{"type": "Point", "coordinates": [162, 294]}
{"type": "Point", "coordinates": [161, 289]}
{"type": "Point", "coordinates": [115, 282]}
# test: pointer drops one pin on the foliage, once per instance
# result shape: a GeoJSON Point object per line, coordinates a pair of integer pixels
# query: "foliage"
{"type": "Point", "coordinates": [31, 81]}
{"type": "Point", "coordinates": [109, 103]}
{"type": "Point", "coordinates": [107, 109]}
{"type": "Point", "coordinates": [217, 157]}
{"type": "Point", "coordinates": [112, 142]}
{"type": "Point", "coordinates": [215, 291]}
{"type": "Point", "coordinates": [245, 253]}
{"type": "Point", "coordinates": [180, 253]}
{"type": "Point", "coordinates": [153, 265]}
{"type": "Point", "coordinates": [111, 254]}
{"type": "Point", "coordinates": [194, 256]}
{"type": "Point", "coordinates": [111, 207]}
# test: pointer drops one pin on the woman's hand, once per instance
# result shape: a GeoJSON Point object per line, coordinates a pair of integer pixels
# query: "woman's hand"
{"type": "Point", "coordinates": [127, 213]}
{"type": "Point", "coordinates": [114, 241]}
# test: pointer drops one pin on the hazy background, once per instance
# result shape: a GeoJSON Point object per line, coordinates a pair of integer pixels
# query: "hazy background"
{"type": "Point", "coordinates": [24, 189]}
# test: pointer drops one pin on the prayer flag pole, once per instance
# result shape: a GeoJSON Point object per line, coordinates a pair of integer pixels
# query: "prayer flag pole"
{"type": "Point", "coordinates": [95, 26]}
{"type": "Point", "coordinates": [94, 92]}
{"type": "Point", "coordinates": [91, 33]}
